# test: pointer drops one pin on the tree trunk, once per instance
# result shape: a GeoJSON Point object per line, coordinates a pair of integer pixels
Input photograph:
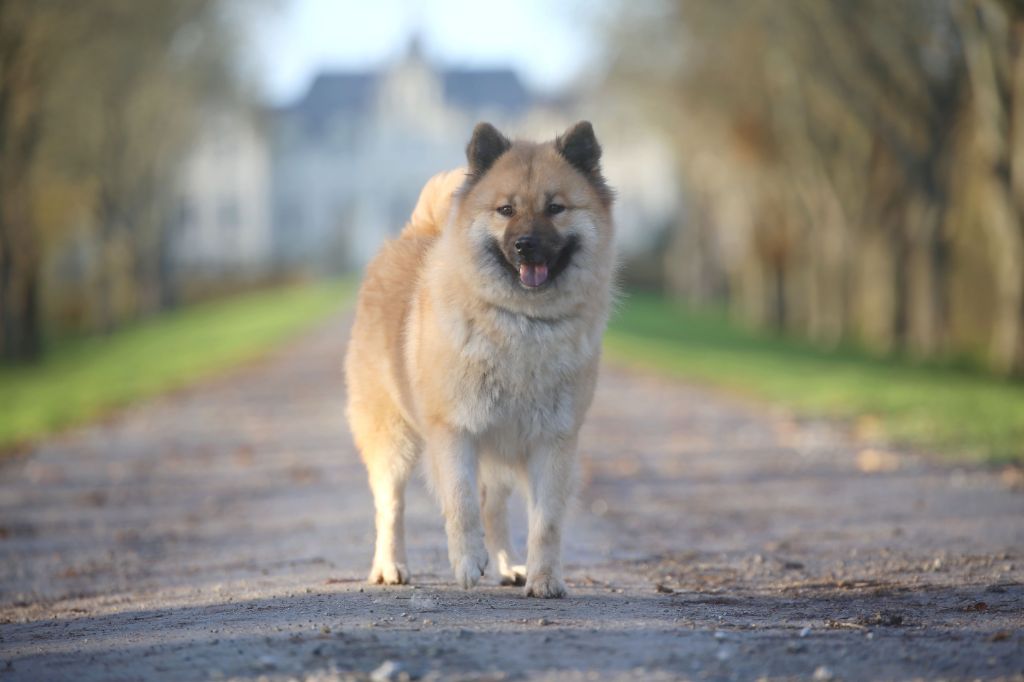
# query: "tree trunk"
{"type": "Point", "coordinates": [20, 130]}
{"type": "Point", "coordinates": [926, 277]}
{"type": "Point", "coordinates": [992, 143]}
{"type": "Point", "coordinates": [21, 337]}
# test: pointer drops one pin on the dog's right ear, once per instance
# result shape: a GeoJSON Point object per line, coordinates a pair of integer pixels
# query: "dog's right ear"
{"type": "Point", "coordinates": [484, 148]}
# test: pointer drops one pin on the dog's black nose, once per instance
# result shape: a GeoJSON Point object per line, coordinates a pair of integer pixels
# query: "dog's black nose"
{"type": "Point", "coordinates": [526, 245]}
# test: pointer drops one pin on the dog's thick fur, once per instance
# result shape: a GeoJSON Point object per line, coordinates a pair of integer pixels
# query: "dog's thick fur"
{"type": "Point", "coordinates": [476, 341]}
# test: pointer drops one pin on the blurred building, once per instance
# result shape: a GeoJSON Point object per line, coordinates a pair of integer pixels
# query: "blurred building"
{"type": "Point", "coordinates": [328, 178]}
{"type": "Point", "coordinates": [223, 224]}
{"type": "Point", "coordinates": [350, 157]}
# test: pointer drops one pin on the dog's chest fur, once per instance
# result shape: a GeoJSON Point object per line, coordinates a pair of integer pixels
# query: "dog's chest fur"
{"type": "Point", "coordinates": [518, 379]}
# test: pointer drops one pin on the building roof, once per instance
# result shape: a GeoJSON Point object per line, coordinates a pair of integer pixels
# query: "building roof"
{"type": "Point", "coordinates": [485, 89]}
{"type": "Point", "coordinates": [354, 93]}
{"type": "Point", "coordinates": [332, 92]}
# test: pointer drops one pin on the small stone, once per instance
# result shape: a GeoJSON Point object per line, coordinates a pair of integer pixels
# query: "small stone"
{"type": "Point", "coordinates": [326, 629]}
{"type": "Point", "coordinates": [543, 621]}
{"type": "Point", "coordinates": [823, 674]}
{"type": "Point", "coordinates": [388, 671]}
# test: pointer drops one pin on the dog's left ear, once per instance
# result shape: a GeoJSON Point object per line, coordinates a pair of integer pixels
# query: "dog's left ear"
{"type": "Point", "coordinates": [580, 148]}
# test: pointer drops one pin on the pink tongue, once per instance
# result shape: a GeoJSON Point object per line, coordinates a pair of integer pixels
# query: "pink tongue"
{"type": "Point", "coordinates": [533, 275]}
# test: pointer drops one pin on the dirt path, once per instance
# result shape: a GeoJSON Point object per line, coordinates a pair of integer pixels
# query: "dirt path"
{"type": "Point", "coordinates": [224, 533]}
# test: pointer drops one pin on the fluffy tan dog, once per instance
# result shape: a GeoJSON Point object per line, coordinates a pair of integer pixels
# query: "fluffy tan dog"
{"type": "Point", "coordinates": [476, 341]}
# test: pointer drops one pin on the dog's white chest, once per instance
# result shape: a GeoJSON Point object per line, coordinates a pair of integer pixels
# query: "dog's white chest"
{"type": "Point", "coordinates": [519, 379]}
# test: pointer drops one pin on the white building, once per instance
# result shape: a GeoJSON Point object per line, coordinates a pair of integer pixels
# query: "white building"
{"type": "Point", "coordinates": [351, 156]}
{"type": "Point", "coordinates": [223, 222]}
{"type": "Point", "coordinates": [333, 175]}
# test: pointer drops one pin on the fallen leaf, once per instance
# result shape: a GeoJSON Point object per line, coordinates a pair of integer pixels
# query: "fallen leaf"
{"type": "Point", "coordinates": [872, 461]}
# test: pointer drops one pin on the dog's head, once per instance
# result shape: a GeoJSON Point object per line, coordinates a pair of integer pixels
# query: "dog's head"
{"type": "Point", "coordinates": [537, 215]}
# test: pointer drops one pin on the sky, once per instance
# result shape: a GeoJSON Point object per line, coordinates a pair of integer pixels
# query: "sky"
{"type": "Point", "coordinates": [549, 43]}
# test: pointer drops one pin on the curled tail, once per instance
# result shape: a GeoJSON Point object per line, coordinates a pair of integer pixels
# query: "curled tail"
{"type": "Point", "coordinates": [434, 204]}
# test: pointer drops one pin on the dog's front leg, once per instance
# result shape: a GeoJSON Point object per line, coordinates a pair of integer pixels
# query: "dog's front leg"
{"type": "Point", "coordinates": [550, 471]}
{"type": "Point", "coordinates": [454, 458]}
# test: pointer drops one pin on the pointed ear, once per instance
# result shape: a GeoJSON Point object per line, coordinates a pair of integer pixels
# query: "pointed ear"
{"type": "Point", "coordinates": [580, 148]}
{"type": "Point", "coordinates": [484, 148]}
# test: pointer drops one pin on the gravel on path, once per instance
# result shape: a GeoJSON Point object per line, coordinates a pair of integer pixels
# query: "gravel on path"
{"type": "Point", "coordinates": [224, 532]}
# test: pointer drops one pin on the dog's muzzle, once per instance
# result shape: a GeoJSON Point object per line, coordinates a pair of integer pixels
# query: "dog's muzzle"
{"type": "Point", "coordinates": [533, 265]}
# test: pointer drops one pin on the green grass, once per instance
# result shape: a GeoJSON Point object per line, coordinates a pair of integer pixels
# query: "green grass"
{"type": "Point", "coordinates": [80, 379]}
{"type": "Point", "coordinates": [966, 415]}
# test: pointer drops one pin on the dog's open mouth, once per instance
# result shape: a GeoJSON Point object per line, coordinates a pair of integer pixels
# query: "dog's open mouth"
{"type": "Point", "coordinates": [536, 274]}
{"type": "Point", "coordinates": [533, 274]}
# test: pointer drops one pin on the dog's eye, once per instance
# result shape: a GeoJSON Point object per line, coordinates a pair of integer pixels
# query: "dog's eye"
{"type": "Point", "coordinates": [555, 209]}
{"type": "Point", "coordinates": [506, 210]}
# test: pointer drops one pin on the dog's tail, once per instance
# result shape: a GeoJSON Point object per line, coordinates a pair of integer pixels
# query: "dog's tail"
{"type": "Point", "coordinates": [435, 202]}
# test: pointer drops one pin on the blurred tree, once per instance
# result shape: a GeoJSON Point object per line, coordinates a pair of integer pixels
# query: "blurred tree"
{"type": "Point", "coordinates": [129, 107]}
{"type": "Point", "coordinates": [993, 40]}
{"type": "Point", "coordinates": [100, 100]}
{"type": "Point", "coordinates": [31, 34]}
{"type": "Point", "coordinates": [845, 160]}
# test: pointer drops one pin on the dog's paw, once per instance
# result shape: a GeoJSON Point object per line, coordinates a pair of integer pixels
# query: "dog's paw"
{"type": "Point", "coordinates": [513, 575]}
{"type": "Point", "coordinates": [389, 573]}
{"type": "Point", "coordinates": [469, 568]}
{"type": "Point", "coordinates": [545, 585]}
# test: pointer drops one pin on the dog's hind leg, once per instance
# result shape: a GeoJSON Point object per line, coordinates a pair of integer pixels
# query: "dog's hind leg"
{"type": "Point", "coordinates": [494, 495]}
{"type": "Point", "coordinates": [389, 472]}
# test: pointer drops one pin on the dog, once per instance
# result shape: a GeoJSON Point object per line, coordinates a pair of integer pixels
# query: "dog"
{"type": "Point", "coordinates": [475, 343]}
